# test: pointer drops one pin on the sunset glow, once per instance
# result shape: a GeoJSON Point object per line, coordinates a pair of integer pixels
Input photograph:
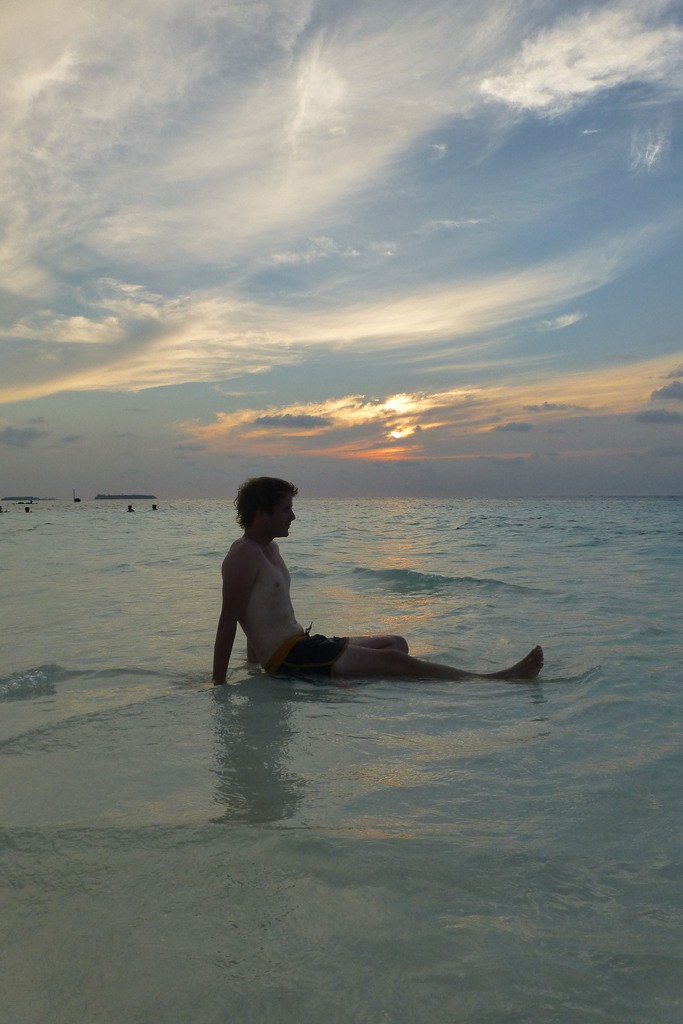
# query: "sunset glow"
{"type": "Point", "coordinates": [315, 239]}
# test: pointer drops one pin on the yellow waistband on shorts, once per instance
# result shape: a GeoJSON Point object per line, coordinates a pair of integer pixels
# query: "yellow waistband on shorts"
{"type": "Point", "coordinates": [276, 659]}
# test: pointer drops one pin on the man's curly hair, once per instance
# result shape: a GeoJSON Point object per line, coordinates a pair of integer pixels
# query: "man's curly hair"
{"type": "Point", "coordinates": [260, 494]}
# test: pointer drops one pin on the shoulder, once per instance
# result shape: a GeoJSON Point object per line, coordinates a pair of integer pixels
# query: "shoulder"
{"type": "Point", "coordinates": [242, 554]}
{"type": "Point", "coordinates": [240, 570]}
{"type": "Point", "coordinates": [245, 552]}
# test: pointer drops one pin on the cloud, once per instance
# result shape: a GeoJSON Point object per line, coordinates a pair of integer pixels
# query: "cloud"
{"type": "Point", "coordinates": [149, 340]}
{"type": "Point", "coordinates": [658, 416]}
{"type": "Point", "coordinates": [317, 249]}
{"type": "Point", "coordinates": [424, 424]}
{"type": "Point", "coordinates": [560, 322]}
{"type": "Point", "coordinates": [238, 127]}
{"type": "Point", "coordinates": [144, 339]}
{"type": "Point", "coordinates": [599, 390]}
{"type": "Point", "coordinates": [289, 421]}
{"type": "Point", "coordinates": [586, 53]}
{"type": "Point", "coordinates": [431, 227]}
{"type": "Point", "coordinates": [674, 390]}
{"type": "Point", "coordinates": [71, 438]}
{"type": "Point", "coordinates": [554, 407]}
{"type": "Point", "coordinates": [649, 147]}
{"type": "Point", "coordinates": [18, 437]}
{"type": "Point", "coordinates": [350, 426]}
{"type": "Point", "coordinates": [247, 127]}
{"type": "Point", "coordinates": [327, 196]}
{"type": "Point", "coordinates": [77, 330]}
{"type": "Point", "coordinates": [516, 426]}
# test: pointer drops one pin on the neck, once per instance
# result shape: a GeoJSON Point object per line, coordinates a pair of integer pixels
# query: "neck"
{"type": "Point", "coordinates": [260, 537]}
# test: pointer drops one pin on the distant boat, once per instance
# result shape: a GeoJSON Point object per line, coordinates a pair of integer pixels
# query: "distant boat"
{"type": "Point", "coordinates": [75, 498]}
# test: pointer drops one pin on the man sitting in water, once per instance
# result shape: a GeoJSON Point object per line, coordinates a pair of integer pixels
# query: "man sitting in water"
{"type": "Point", "coordinates": [256, 585]}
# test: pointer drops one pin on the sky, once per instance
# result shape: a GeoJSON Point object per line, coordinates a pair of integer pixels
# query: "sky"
{"type": "Point", "coordinates": [371, 246]}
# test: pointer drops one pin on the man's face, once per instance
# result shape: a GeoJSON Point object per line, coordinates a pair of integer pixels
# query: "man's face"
{"type": "Point", "coordinates": [282, 516]}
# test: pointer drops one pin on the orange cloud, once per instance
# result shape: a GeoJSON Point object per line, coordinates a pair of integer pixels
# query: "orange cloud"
{"type": "Point", "coordinates": [403, 426]}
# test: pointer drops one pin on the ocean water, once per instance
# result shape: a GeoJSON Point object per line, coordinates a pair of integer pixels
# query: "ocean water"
{"type": "Point", "coordinates": [392, 853]}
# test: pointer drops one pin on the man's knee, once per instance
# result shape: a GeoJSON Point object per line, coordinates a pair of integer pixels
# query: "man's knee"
{"type": "Point", "coordinates": [399, 662]}
{"type": "Point", "coordinates": [399, 643]}
{"type": "Point", "coordinates": [386, 659]}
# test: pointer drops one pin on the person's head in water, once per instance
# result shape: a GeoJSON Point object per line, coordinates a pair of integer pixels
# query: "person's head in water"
{"type": "Point", "coordinates": [260, 494]}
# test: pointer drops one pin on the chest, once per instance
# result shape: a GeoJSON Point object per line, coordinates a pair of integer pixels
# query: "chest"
{"type": "Point", "coordinates": [273, 573]}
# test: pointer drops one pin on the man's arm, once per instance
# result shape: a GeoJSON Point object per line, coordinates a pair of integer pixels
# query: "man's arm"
{"type": "Point", "coordinates": [240, 570]}
{"type": "Point", "coordinates": [222, 648]}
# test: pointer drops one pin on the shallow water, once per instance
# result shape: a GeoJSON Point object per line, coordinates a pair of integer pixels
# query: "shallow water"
{"type": "Point", "coordinates": [395, 852]}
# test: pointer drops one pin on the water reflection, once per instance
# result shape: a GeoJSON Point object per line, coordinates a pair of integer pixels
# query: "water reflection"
{"type": "Point", "coordinates": [358, 758]}
{"type": "Point", "coordinates": [252, 733]}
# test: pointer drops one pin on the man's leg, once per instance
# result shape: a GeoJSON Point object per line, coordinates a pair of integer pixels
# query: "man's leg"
{"type": "Point", "coordinates": [381, 643]}
{"type": "Point", "coordinates": [363, 660]}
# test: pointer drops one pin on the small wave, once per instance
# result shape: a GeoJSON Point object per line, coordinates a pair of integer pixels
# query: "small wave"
{"type": "Point", "coordinates": [588, 676]}
{"type": "Point", "coordinates": [42, 681]}
{"type": "Point", "coordinates": [407, 581]}
{"type": "Point", "coordinates": [31, 683]}
{"type": "Point", "coordinates": [300, 573]}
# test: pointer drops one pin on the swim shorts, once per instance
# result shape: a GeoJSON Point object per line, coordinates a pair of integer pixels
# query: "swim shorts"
{"type": "Point", "coordinates": [307, 654]}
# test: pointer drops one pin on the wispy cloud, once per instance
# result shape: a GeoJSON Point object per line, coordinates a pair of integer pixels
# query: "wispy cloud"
{"type": "Point", "coordinates": [555, 407]}
{"type": "Point", "coordinates": [658, 416]}
{"type": "Point", "coordinates": [587, 53]}
{"type": "Point", "coordinates": [144, 340]}
{"type": "Point", "coordinates": [515, 426]}
{"type": "Point", "coordinates": [560, 322]}
{"type": "Point", "coordinates": [20, 437]}
{"type": "Point", "coordinates": [432, 226]}
{"type": "Point", "coordinates": [674, 390]}
{"type": "Point", "coordinates": [196, 193]}
{"type": "Point", "coordinates": [649, 147]}
{"type": "Point", "coordinates": [316, 249]}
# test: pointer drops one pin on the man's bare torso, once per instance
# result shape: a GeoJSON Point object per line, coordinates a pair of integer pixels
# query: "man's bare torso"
{"type": "Point", "coordinates": [268, 618]}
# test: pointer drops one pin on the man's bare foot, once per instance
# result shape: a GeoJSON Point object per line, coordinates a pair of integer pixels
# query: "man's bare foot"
{"type": "Point", "coordinates": [527, 668]}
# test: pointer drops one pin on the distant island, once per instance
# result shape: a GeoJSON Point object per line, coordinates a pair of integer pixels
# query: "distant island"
{"type": "Point", "coordinates": [125, 497]}
{"type": "Point", "coordinates": [25, 499]}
